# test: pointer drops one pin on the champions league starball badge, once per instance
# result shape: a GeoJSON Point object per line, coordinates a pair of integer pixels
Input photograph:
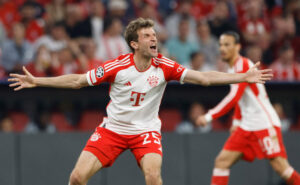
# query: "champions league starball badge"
{"type": "Point", "coordinates": [100, 72]}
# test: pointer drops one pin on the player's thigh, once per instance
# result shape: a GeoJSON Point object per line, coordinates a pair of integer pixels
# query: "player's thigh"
{"type": "Point", "coordinates": [86, 166]}
{"type": "Point", "coordinates": [151, 163]}
{"type": "Point", "coordinates": [227, 158]}
{"type": "Point", "coordinates": [279, 164]}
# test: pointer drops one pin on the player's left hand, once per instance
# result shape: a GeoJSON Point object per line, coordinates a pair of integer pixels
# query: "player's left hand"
{"type": "Point", "coordinates": [253, 75]}
{"type": "Point", "coordinates": [201, 121]}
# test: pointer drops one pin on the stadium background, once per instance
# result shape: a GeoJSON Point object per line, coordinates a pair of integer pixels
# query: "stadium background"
{"type": "Point", "coordinates": [42, 131]}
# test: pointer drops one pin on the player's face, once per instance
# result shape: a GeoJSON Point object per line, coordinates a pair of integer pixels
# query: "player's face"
{"type": "Point", "coordinates": [147, 42]}
{"type": "Point", "coordinates": [228, 48]}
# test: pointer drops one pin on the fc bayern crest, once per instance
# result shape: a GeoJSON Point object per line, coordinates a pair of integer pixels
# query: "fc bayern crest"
{"type": "Point", "coordinates": [100, 72]}
{"type": "Point", "coordinates": [153, 80]}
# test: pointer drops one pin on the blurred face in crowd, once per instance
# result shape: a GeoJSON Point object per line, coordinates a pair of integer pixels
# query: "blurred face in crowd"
{"type": "Point", "coordinates": [116, 27]}
{"type": "Point", "coordinates": [287, 56]}
{"type": "Point", "coordinates": [197, 62]}
{"type": "Point", "coordinates": [28, 12]}
{"type": "Point", "coordinates": [90, 49]}
{"type": "Point", "coordinates": [254, 53]}
{"type": "Point", "coordinates": [58, 33]}
{"type": "Point", "coordinates": [185, 8]}
{"type": "Point", "coordinates": [184, 29]}
{"type": "Point", "coordinates": [65, 56]}
{"type": "Point", "coordinates": [196, 110]}
{"type": "Point", "coordinates": [203, 30]}
{"type": "Point", "coordinates": [147, 43]}
{"type": "Point", "coordinates": [254, 9]}
{"type": "Point", "coordinates": [18, 31]}
{"type": "Point", "coordinates": [221, 11]}
{"type": "Point", "coordinates": [97, 8]}
{"type": "Point", "coordinates": [228, 47]}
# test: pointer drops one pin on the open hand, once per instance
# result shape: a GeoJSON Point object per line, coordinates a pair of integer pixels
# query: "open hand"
{"type": "Point", "coordinates": [254, 75]}
{"type": "Point", "coordinates": [21, 81]}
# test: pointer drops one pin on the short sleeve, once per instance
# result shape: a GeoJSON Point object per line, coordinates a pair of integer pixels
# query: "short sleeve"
{"type": "Point", "coordinates": [173, 70]}
{"type": "Point", "coordinates": [99, 75]}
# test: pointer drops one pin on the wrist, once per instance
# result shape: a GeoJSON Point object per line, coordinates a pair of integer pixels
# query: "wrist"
{"type": "Point", "coordinates": [208, 117]}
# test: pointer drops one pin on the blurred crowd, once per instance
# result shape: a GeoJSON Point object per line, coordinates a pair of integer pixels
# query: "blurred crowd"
{"type": "Point", "coordinates": [56, 37]}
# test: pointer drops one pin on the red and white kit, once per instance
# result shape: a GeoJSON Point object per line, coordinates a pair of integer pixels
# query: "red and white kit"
{"type": "Point", "coordinates": [259, 125]}
{"type": "Point", "coordinates": [135, 99]}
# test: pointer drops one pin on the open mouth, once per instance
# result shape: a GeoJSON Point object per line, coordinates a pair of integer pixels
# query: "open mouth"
{"type": "Point", "coordinates": [152, 47]}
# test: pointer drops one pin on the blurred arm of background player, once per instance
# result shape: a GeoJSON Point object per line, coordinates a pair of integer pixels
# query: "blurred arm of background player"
{"type": "Point", "coordinates": [218, 78]}
{"type": "Point", "coordinates": [73, 81]}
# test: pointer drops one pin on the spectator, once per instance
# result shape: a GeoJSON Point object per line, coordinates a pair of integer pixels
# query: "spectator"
{"type": "Point", "coordinates": [254, 53]}
{"type": "Point", "coordinates": [8, 14]}
{"type": "Point", "coordinates": [198, 62]}
{"type": "Point", "coordinates": [39, 9]}
{"type": "Point", "coordinates": [34, 27]}
{"type": "Point", "coordinates": [92, 26]}
{"type": "Point", "coordinates": [112, 43]}
{"type": "Point", "coordinates": [72, 20]}
{"type": "Point", "coordinates": [118, 8]}
{"type": "Point", "coordinates": [40, 123]}
{"type": "Point", "coordinates": [208, 44]}
{"type": "Point", "coordinates": [180, 48]}
{"type": "Point", "coordinates": [55, 11]}
{"type": "Point", "coordinates": [6, 125]}
{"type": "Point", "coordinates": [202, 8]}
{"type": "Point", "coordinates": [285, 68]}
{"type": "Point", "coordinates": [254, 25]}
{"type": "Point", "coordinates": [172, 22]}
{"type": "Point", "coordinates": [41, 66]}
{"type": "Point", "coordinates": [89, 50]}
{"type": "Point", "coordinates": [149, 12]}
{"type": "Point", "coordinates": [17, 51]}
{"type": "Point", "coordinates": [2, 34]}
{"type": "Point", "coordinates": [188, 126]}
{"type": "Point", "coordinates": [219, 21]}
{"type": "Point", "coordinates": [56, 40]}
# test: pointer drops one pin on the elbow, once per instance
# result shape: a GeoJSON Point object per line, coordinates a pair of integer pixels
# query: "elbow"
{"type": "Point", "coordinates": [205, 82]}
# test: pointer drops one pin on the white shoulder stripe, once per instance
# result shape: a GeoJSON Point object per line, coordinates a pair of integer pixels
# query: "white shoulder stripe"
{"type": "Point", "coordinates": [168, 60]}
{"type": "Point", "coordinates": [116, 61]}
{"type": "Point", "coordinates": [93, 75]}
{"type": "Point", "coordinates": [167, 64]}
{"type": "Point", "coordinates": [119, 65]}
{"type": "Point", "coordinates": [123, 62]}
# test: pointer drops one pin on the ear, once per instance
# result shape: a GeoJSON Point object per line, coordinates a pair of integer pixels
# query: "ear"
{"type": "Point", "coordinates": [134, 45]}
{"type": "Point", "coordinates": [238, 47]}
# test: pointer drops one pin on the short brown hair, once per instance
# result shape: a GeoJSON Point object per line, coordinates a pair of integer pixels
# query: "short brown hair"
{"type": "Point", "coordinates": [131, 30]}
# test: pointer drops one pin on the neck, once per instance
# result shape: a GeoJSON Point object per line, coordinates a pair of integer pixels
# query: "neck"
{"type": "Point", "coordinates": [233, 59]}
{"type": "Point", "coordinates": [141, 62]}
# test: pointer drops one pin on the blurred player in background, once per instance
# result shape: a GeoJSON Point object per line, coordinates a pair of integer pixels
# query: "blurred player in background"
{"type": "Point", "coordinates": [256, 129]}
{"type": "Point", "coordinates": [137, 83]}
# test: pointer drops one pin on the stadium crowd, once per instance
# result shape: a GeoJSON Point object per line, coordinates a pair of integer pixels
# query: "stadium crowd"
{"type": "Point", "coordinates": [56, 37]}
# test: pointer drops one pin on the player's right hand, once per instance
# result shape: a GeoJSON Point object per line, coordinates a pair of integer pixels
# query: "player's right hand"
{"type": "Point", "coordinates": [21, 81]}
{"type": "Point", "coordinates": [201, 121]}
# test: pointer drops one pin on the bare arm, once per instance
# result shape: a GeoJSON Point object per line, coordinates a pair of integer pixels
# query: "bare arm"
{"type": "Point", "coordinates": [73, 81]}
{"type": "Point", "coordinates": [219, 78]}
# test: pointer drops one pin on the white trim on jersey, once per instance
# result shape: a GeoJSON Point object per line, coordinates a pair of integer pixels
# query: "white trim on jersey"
{"type": "Point", "coordinates": [125, 63]}
{"type": "Point", "coordinates": [183, 75]}
{"type": "Point", "coordinates": [93, 76]}
{"type": "Point", "coordinates": [88, 78]}
{"type": "Point", "coordinates": [227, 99]}
{"type": "Point", "coordinates": [116, 62]}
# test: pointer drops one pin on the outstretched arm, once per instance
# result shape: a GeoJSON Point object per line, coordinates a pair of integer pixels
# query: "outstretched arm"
{"type": "Point", "coordinates": [218, 78]}
{"type": "Point", "coordinates": [73, 81]}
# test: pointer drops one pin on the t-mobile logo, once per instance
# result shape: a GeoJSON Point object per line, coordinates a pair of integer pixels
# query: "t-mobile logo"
{"type": "Point", "coordinates": [136, 97]}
